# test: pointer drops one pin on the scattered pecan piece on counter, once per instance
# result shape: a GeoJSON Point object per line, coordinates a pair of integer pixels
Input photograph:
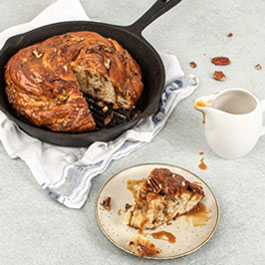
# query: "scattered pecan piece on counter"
{"type": "Point", "coordinates": [193, 65]}
{"type": "Point", "coordinates": [219, 75]}
{"type": "Point", "coordinates": [258, 67]}
{"type": "Point", "coordinates": [229, 35]}
{"type": "Point", "coordinates": [106, 203]}
{"type": "Point", "coordinates": [221, 61]}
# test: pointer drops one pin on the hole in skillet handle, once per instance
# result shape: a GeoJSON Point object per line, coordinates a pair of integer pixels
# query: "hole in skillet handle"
{"type": "Point", "coordinates": [159, 8]}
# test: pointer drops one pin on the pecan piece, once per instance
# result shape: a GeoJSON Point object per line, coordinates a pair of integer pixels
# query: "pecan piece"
{"type": "Point", "coordinates": [105, 109]}
{"type": "Point", "coordinates": [107, 63]}
{"type": "Point", "coordinates": [154, 184]}
{"type": "Point", "coordinates": [193, 65]}
{"type": "Point", "coordinates": [219, 76]}
{"type": "Point", "coordinates": [258, 67]}
{"type": "Point", "coordinates": [221, 61]}
{"type": "Point", "coordinates": [108, 119]}
{"type": "Point", "coordinates": [127, 206]}
{"type": "Point", "coordinates": [106, 203]}
{"type": "Point", "coordinates": [37, 54]}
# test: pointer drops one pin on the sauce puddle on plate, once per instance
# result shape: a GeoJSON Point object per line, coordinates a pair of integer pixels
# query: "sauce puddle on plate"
{"type": "Point", "coordinates": [120, 212]}
{"type": "Point", "coordinates": [164, 235]}
{"type": "Point", "coordinates": [198, 216]}
{"type": "Point", "coordinates": [133, 186]}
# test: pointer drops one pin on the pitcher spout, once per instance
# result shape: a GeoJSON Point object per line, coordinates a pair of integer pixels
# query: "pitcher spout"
{"type": "Point", "coordinates": [204, 105]}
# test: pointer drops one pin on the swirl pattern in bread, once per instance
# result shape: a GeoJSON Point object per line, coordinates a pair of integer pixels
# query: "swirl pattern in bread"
{"type": "Point", "coordinates": [46, 81]}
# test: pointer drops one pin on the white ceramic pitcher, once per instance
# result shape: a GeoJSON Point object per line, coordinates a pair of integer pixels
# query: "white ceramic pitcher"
{"type": "Point", "coordinates": [232, 121]}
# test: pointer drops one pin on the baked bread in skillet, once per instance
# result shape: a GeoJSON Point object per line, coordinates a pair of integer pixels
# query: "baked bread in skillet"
{"type": "Point", "coordinates": [46, 81]}
{"type": "Point", "coordinates": [163, 196]}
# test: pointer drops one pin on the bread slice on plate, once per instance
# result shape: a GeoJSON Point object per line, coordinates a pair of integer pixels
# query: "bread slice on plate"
{"type": "Point", "coordinates": [163, 197]}
{"type": "Point", "coordinates": [142, 247]}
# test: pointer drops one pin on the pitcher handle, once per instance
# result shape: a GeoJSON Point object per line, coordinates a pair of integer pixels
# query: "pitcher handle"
{"type": "Point", "coordinates": [263, 110]}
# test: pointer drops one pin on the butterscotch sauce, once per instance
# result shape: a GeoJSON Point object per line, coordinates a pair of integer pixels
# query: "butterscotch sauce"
{"type": "Point", "coordinates": [164, 235]}
{"type": "Point", "coordinates": [120, 212]}
{"type": "Point", "coordinates": [200, 103]}
{"type": "Point", "coordinates": [133, 185]}
{"type": "Point", "coordinates": [141, 232]}
{"type": "Point", "coordinates": [202, 165]}
{"type": "Point", "coordinates": [199, 216]}
{"type": "Point", "coordinates": [144, 221]}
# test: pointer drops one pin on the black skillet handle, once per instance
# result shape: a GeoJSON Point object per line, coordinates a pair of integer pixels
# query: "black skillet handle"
{"type": "Point", "coordinates": [159, 8]}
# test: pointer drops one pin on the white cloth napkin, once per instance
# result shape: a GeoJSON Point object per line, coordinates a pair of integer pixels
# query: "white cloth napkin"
{"type": "Point", "coordinates": [66, 173]}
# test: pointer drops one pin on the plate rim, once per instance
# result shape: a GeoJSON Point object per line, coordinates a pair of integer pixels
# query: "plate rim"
{"type": "Point", "coordinates": [154, 257]}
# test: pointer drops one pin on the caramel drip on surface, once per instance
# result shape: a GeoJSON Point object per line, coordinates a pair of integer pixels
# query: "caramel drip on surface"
{"type": "Point", "coordinates": [164, 235]}
{"type": "Point", "coordinates": [134, 185]}
{"type": "Point", "coordinates": [198, 104]}
{"type": "Point", "coordinates": [202, 165]}
{"type": "Point", "coordinates": [199, 215]}
{"type": "Point", "coordinates": [120, 212]}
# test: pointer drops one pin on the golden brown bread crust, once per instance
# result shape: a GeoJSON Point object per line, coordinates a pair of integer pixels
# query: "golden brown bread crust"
{"type": "Point", "coordinates": [41, 84]}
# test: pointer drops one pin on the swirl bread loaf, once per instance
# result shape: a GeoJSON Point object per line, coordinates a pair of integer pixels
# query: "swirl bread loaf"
{"type": "Point", "coordinates": [45, 81]}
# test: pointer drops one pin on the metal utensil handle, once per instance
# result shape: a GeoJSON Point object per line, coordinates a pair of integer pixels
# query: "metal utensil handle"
{"type": "Point", "coordinates": [159, 8]}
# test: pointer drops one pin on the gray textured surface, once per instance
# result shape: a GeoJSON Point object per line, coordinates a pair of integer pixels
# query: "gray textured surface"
{"type": "Point", "coordinates": [34, 229]}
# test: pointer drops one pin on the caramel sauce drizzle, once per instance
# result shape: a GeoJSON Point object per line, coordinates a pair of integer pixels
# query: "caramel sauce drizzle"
{"type": "Point", "coordinates": [133, 186]}
{"type": "Point", "coordinates": [120, 212]}
{"type": "Point", "coordinates": [145, 220]}
{"type": "Point", "coordinates": [202, 165]}
{"type": "Point", "coordinates": [199, 215]}
{"type": "Point", "coordinates": [164, 235]}
{"type": "Point", "coordinates": [198, 104]}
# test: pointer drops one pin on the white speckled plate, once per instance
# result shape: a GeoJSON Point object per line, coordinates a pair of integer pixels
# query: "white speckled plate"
{"type": "Point", "coordinates": [189, 238]}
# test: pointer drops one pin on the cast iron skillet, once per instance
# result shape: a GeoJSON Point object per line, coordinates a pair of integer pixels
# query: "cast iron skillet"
{"type": "Point", "coordinates": [129, 37]}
